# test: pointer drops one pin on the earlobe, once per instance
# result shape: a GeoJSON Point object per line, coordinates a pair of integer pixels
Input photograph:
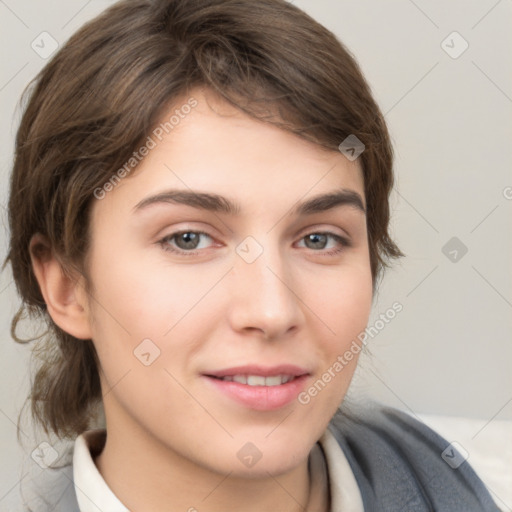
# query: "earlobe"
{"type": "Point", "coordinates": [64, 295]}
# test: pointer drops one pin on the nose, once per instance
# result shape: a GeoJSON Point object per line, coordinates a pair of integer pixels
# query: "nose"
{"type": "Point", "coordinates": [264, 295]}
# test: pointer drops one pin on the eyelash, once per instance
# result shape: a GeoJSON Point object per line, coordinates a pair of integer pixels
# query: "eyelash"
{"type": "Point", "coordinates": [344, 242]}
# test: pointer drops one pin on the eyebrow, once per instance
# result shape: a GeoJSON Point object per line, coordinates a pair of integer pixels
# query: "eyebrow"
{"type": "Point", "coordinates": [220, 204]}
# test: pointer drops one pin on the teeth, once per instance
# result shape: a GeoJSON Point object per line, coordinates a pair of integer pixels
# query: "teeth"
{"type": "Point", "coordinates": [270, 381]}
{"type": "Point", "coordinates": [259, 380]}
{"type": "Point", "coordinates": [242, 379]}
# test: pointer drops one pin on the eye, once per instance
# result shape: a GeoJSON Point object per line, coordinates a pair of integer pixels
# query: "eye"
{"type": "Point", "coordinates": [318, 241]}
{"type": "Point", "coordinates": [186, 242]}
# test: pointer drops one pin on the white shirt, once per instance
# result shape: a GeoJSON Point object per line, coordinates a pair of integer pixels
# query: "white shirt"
{"type": "Point", "coordinates": [93, 493]}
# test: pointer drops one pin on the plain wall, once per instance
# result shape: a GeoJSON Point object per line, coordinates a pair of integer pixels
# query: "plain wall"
{"type": "Point", "coordinates": [449, 350]}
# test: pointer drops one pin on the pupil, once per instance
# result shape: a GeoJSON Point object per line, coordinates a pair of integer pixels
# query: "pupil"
{"type": "Point", "coordinates": [190, 239]}
{"type": "Point", "coordinates": [314, 238]}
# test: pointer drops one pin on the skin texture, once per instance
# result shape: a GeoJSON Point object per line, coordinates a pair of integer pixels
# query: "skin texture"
{"type": "Point", "coordinates": [172, 438]}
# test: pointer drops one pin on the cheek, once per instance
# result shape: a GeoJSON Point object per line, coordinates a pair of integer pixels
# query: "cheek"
{"type": "Point", "coordinates": [144, 299]}
{"type": "Point", "coordinates": [345, 308]}
{"type": "Point", "coordinates": [146, 314]}
{"type": "Point", "coordinates": [347, 303]}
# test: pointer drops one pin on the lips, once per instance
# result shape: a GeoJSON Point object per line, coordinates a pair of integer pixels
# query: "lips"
{"type": "Point", "coordinates": [258, 387]}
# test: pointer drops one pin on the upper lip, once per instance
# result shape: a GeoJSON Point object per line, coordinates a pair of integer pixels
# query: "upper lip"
{"type": "Point", "coordinates": [265, 371]}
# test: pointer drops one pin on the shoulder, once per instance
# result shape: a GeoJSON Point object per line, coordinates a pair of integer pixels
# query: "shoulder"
{"type": "Point", "coordinates": [401, 464]}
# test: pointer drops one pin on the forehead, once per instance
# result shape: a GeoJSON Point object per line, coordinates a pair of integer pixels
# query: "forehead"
{"type": "Point", "coordinates": [214, 147]}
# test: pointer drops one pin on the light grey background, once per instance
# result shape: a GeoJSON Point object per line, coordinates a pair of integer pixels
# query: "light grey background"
{"type": "Point", "coordinates": [449, 351]}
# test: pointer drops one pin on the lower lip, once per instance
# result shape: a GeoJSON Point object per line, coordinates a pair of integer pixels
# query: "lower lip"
{"type": "Point", "coordinates": [261, 398]}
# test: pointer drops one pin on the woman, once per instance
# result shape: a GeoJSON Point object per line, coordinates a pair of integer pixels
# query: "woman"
{"type": "Point", "coordinates": [199, 209]}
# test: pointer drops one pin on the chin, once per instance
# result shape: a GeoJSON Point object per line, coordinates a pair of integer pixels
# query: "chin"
{"type": "Point", "coordinates": [259, 458]}
{"type": "Point", "coordinates": [276, 465]}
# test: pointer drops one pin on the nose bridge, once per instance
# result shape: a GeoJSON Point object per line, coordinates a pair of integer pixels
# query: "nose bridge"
{"type": "Point", "coordinates": [263, 292]}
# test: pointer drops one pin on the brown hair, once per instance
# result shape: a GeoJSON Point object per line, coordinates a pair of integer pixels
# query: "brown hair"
{"type": "Point", "coordinates": [102, 93]}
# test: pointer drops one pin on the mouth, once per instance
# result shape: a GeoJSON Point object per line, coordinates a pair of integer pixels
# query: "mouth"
{"type": "Point", "coordinates": [259, 388]}
{"type": "Point", "coordinates": [256, 380]}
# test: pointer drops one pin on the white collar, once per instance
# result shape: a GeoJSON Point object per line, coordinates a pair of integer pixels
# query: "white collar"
{"type": "Point", "coordinates": [345, 493]}
{"type": "Point", "coordinates": [94, 495]}
{"type": "Point", "coordinates": [92, 492]}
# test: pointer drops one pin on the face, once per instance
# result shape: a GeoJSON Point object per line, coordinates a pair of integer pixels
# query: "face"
{"type": "Point", "coordinates": [190, 300]}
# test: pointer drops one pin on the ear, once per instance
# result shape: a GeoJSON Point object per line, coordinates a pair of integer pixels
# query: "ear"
{"type": "Point", "coordinates": [65, 296]}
